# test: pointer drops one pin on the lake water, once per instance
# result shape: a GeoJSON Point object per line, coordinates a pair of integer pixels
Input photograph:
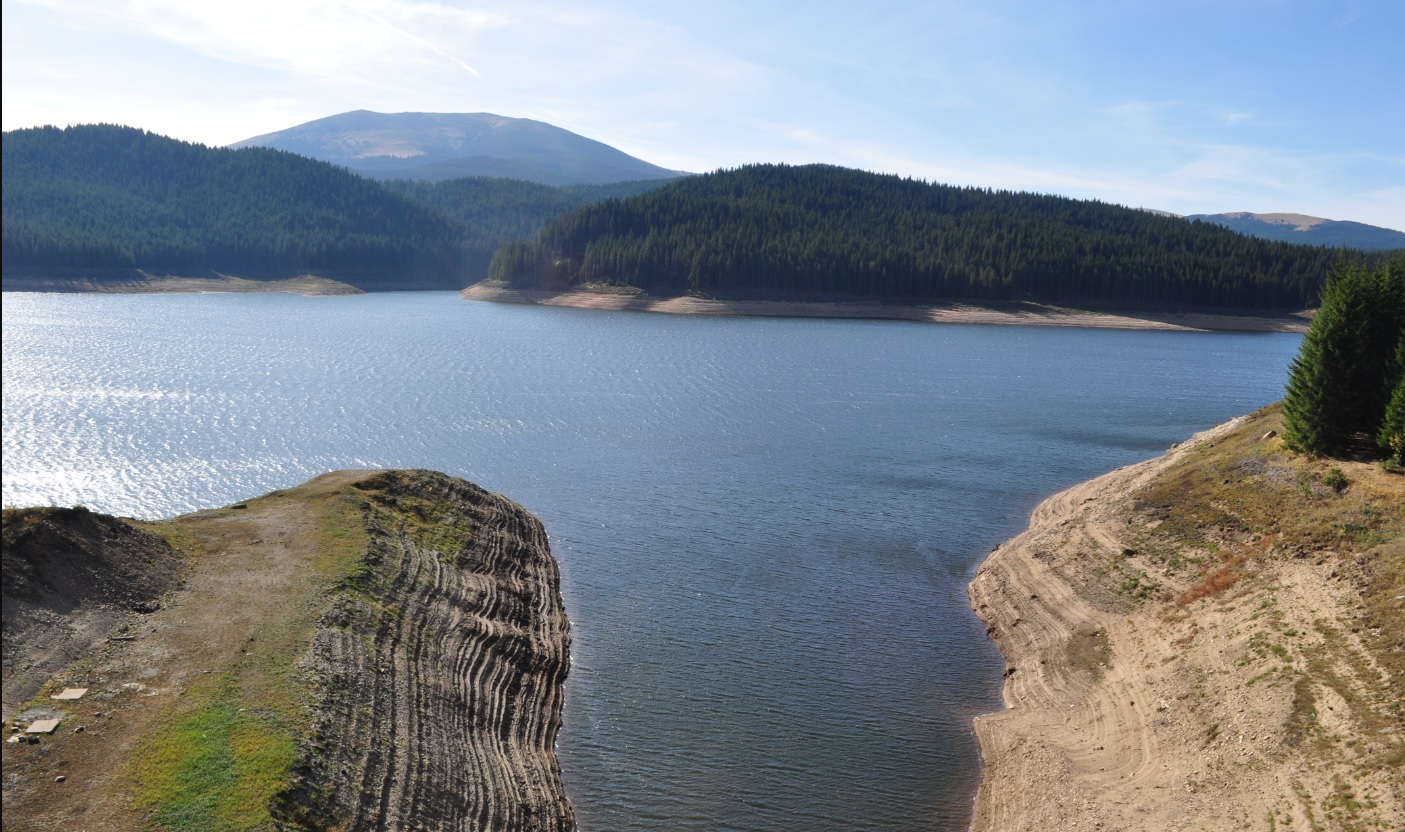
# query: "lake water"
{"type": "Point", "coordinates": [765, 527]}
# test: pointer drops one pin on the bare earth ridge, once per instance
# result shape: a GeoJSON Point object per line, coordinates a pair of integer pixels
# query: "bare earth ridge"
{"type": "Point", "coordinates": [1013, 314]}
{"type": "Point", "coordinates": [1142, 695]}
{"type": "Point", "coordinates": [367, 651]}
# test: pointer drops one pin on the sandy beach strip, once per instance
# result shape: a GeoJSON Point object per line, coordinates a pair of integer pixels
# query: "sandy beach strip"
{"type": "Point", "coordinates": [1012, 314]}
{"type": "Point", "coordinates": [135, 282]}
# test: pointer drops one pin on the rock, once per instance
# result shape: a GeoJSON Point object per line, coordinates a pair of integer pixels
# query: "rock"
{"type": "Point", "coordinates": [60, 779]}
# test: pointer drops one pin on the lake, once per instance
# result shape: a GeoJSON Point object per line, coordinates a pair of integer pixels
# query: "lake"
{"type": "Point", "coordinates": [765, 526]}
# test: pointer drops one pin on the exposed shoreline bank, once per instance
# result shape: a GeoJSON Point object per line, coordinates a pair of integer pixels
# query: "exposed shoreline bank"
{"type": "Point", "coordinates": [134, 282]}
{"type": "Point", "coordinates": [1014, 314]}
{"type": "Point", "coordinates": [1257, 707]}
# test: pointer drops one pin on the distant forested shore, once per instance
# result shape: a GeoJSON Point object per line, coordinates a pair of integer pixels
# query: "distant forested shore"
{"type": "Point", "coordinates": [819, 231]}
{"type": "Point", "coordinates": [88, 202]}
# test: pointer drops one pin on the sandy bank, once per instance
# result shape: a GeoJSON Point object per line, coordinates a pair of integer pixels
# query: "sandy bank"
{"type": "Point", "coordinates": [136, 282]}
{"type": "Point", "coordinates": [1015, 314]}
{"type": "Point", "coordinates": [1265, 706]}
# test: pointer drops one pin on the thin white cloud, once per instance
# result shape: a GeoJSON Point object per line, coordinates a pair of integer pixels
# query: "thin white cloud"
{"type": "Point", "coordinates": [415, 39]}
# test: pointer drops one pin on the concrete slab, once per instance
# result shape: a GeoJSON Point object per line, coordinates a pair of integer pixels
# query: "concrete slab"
{"type": "Point", "coordinates": [70, 693]}
{"type": "Point", "coordinates": [42, 726]}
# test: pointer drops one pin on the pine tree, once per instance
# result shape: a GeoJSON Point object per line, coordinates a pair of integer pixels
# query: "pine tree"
{"type": "Point", "coordinates": [1386, 348]}
{"type": "Point", "coordinates": [1390, 438]}
{"type": "Point", "coordinates": [1324, 399]}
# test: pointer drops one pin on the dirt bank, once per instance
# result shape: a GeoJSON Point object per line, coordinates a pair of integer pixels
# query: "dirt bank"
{"type": "Point", "coordinates": [1210, 640]}
{"type": "Point", "coordinates": [1012, 314]}
{"type": "Point", "coordinates": [371, 650]}
{"type": "Point", "coordinates": [138, 282]}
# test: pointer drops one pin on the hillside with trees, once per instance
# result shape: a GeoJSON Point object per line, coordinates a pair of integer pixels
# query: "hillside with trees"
{"type": "Point", "coordinates": [496, 210]}
{"type": "Point", "coordinates": [818, 231]}
{"type": "Point", "coordinates": [109, 197]}
{"type": "Point", "coordinates": [103, 199]}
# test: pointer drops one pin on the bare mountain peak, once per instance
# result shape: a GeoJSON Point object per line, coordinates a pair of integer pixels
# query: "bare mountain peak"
{"type": "Point", "coordinates": [1301, 228]}
{"type": "Point", "coordinates": [449, 145]}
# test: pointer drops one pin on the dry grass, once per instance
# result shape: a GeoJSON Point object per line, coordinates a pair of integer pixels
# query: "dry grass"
{"type": "Point", "coordinates": [1222, 522]}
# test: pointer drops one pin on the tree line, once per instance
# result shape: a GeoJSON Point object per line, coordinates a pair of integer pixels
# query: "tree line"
{"type": "Point", "coordinates": [1346, 387]}
{"type": "Point", "coordinates": [822, 231]}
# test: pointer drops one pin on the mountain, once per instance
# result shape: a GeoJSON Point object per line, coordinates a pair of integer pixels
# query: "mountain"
{"type": "Point", "coordinates": [1300, 228]}
{"type": "Point", "coordinates": [438, 146]}
{"type": "Point", "coordinates": [105, 197]}
{"type": "Point", "coordinates": [775, 231]}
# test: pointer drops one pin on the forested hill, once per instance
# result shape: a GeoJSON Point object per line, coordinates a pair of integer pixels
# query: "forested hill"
{"type": "Point", "coordinates": [819, 231]}
{"type": "Point", "coordinates": [500, 210]}
{"type": "Point", "coordinates": [108, 197]}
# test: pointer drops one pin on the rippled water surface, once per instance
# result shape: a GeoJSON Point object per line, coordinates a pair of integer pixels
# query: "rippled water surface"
{"type": "Point", "coordinates": [765, 527]}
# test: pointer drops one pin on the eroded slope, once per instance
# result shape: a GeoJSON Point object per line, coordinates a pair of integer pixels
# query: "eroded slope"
{"type": "Point", "coordinates": [1214, 639]}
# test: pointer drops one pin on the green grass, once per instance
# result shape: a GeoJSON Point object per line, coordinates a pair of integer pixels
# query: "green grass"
{"type": "Point", "coordinates": [216, 768]}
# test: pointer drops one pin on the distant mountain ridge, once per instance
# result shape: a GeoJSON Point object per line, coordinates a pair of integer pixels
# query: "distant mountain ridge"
{"type": "Point", "coordinates": [439, 146]}
{"type": "Point", "coordinates": [1301, 228]}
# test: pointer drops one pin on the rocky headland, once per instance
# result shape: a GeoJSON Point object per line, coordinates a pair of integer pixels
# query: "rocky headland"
{"type": "Point", "coordinates": [371, 650]}
{"type": "Point", "coordinates": [1210, 640]}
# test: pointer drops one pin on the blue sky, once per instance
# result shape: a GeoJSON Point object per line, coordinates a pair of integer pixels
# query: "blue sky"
{"type": "Point", "coordinates": [1191, 106]}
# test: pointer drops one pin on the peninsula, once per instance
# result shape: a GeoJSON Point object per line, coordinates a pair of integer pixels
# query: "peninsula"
{"type": "Point", "coordinates": [369, 650]}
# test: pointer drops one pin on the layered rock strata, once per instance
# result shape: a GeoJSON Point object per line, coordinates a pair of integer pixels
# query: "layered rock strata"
{"type": "Point", "coordinates": [441, 669]}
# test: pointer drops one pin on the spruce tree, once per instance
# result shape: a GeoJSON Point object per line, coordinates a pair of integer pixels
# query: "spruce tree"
{"type": "Point", "coordinates": [1323, 404]}
{"type": "Point", "coordinates": [1390, 437]}
{"type": "Point", "coordinates": [1386, 347]}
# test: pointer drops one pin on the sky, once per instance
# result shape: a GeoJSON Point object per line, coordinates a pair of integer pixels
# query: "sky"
{"type": "Point", "coordinates": [1189, 106]}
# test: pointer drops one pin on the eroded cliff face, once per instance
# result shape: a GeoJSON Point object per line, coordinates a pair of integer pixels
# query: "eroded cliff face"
{"type": "Point", "coordinates": [440, 669]}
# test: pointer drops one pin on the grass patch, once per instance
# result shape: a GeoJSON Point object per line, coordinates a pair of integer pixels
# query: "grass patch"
{"type": "Point", "coordinates": [1088, 652]}
{"type": "Point", "coordinates": [1302, 719]}
{"type": "Point", "coordinates": [1245, 487]}
{"type": "Point", "coordinates": [216, 768]}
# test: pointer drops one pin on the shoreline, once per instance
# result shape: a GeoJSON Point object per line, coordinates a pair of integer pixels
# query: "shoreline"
{"type": "Point", "coordinates": [1014, 314]}
{"type": "Point", "coordinates": [1066, 732]}
{"type": "Point", "coordinates": [135, 282]}
{"type": "Point", "coordinates": [1150, 712]}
